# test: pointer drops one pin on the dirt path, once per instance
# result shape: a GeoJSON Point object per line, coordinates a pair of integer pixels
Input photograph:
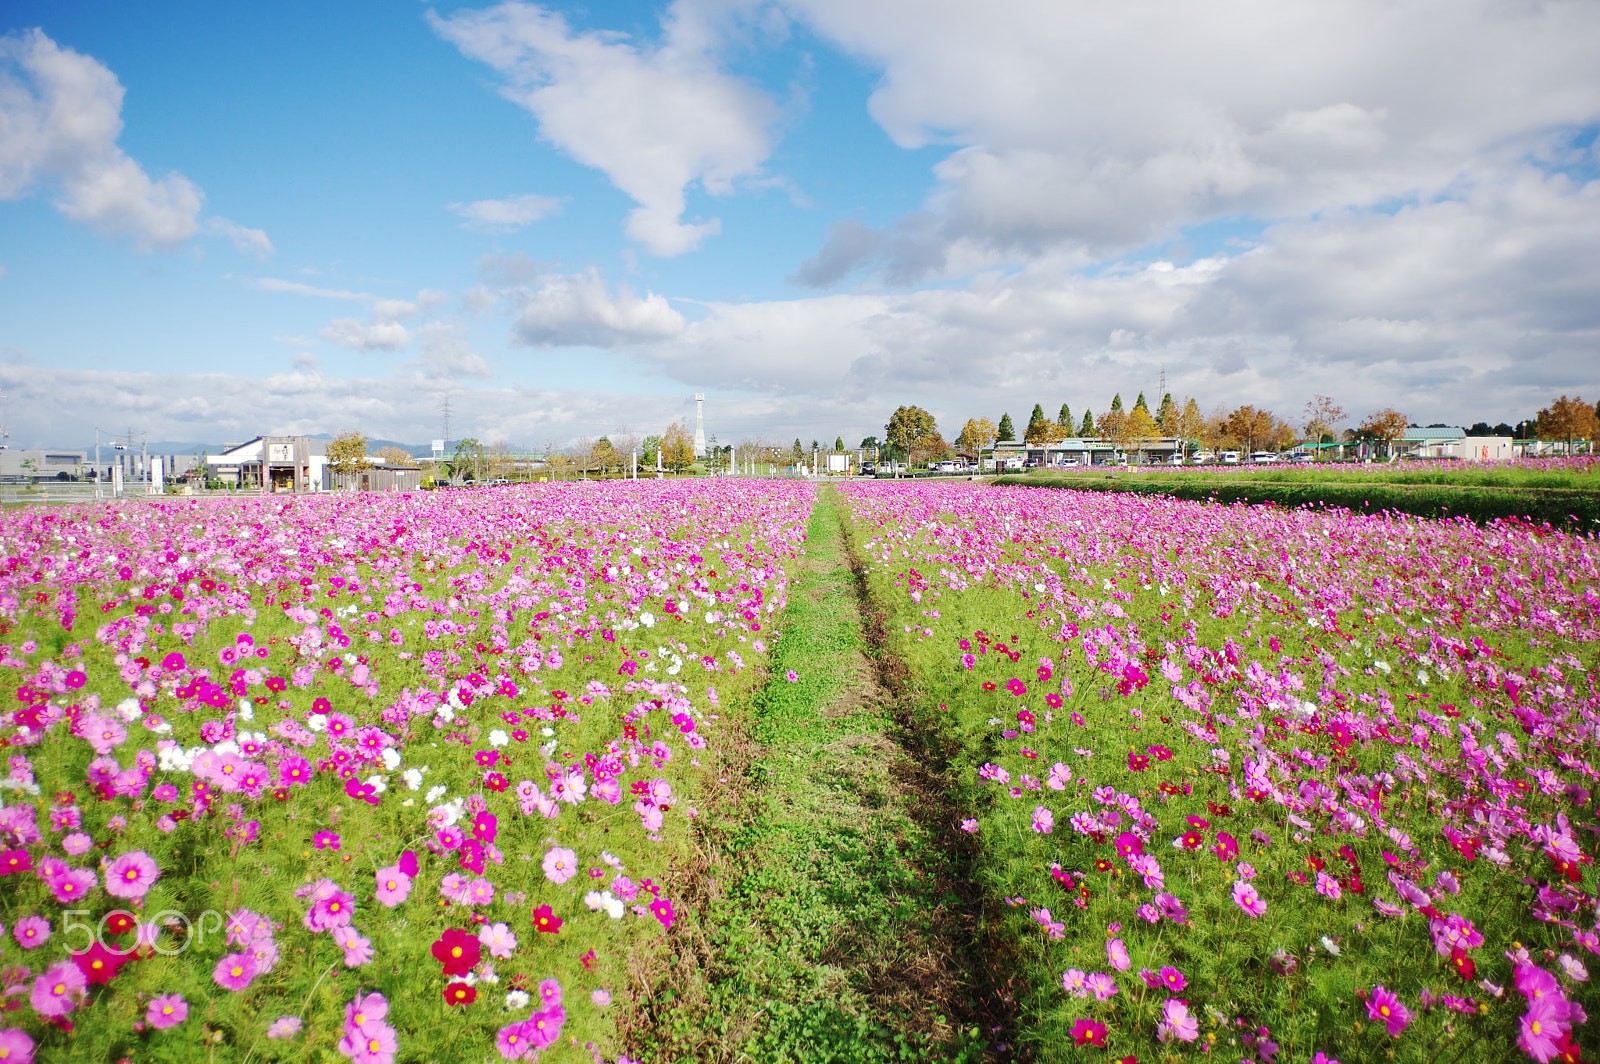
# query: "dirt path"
{"type": "Point", "coordinates": [833, 924]}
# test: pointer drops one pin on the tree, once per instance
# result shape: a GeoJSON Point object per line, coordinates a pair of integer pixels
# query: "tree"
{"type": "Point", "coordinates": [347, 454]}
{"type": "Point", "coordinates": [1166, 410]}
{"type": "Point", "coordinates": [1141, 427]}
{"type": "Point", "coordinates": [798, 452]}
{"type": "Point", "coordinates": [1041, 430]}
{"type": "Point", "coordinates": [1568, 419]}
{"type": "Point", "coordinates": [1116, 401]}
{"type": "Point", "coordinates": [1087, 429]}
{"type": "Point", "coordinates": [1187, 424]}
{"type": "Point", "coordinates": [602, 454]}
{"type": "Point", "coordinates": [1139, 404]}
{"type": "Point", "coordinates": [838, 443]}
{"type": "Point", "coordinates": [1249, 426]}
{"type": "Point", "coordinates": [1480, 428]}
{"type": "Point", "coordinates": [1008, 432]}
{"type": "Point", "coordinates": [977, 434]}
{"type": "Point", "coordinates": [1322, 415]}
{"type": "Point", "coordinates": [648, 451]}
{"type": "Point", "coordinates": [1385, 426]}
{"type": "Point", "coordinates": [1064, 421]}
{"type": "Point", "coordinates": [394, 455]}
{"type": "Point", "coordinates": [913, 430]}
{"type": "Point", "coordinates": [677, 448]}
{"type": "Point", "coordinates": [468, 459]}
{"type": "Point", "coordinates": [1114, 428]}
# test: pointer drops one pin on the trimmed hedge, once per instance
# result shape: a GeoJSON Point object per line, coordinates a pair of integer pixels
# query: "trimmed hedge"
{"type": "Point", "coordinates": [1572, 509]}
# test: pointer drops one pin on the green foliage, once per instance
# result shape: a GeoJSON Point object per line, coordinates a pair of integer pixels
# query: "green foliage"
{"type": "Point", "coordinates": [1007, 431]}
{"type": "Point", "coordinates": [1476, 497]}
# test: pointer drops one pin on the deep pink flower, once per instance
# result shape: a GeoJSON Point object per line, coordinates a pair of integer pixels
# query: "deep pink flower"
{"type": "Point", "coordinates": [458, 950]}
{"type": "Point", "coordinates": [31, 932]}
{"type": "Point", "coordinates": [1387, 1009]}
{"type": "Point", "coordinates": [1088, 1033]}
{"type": "Point", "coordinates": [1247, 898]}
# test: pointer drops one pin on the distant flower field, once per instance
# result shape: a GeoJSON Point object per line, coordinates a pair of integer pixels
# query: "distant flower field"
{"type": "Point", "coordinates": [386, 777]}
{"type": "Point", "coordinates": [1263, 784]}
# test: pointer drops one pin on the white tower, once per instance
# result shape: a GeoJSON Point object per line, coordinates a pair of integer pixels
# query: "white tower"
{"type": "Point", "coordinates": [699, 425]}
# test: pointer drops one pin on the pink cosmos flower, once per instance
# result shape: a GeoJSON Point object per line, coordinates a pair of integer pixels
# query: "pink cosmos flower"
{"type": "Point", "coordinates": [285, 1027]}
{"type": "Point", "coordinates": [480, 892]}
{"type": "Point", "coordinates": [131, 875]}
{"type": "Point", "coordinates": [375, 1043]}
{"type": "Point", "coordinates": [1177, 1023]}
{"type": "Point", "coordinates": [1117, 955]}
{"type": "Point", "coordinates": [1172, 979]}
{"type": "Point", "coordinates": [165, 1011]}
{"type": "Point", "coordinates": [560, 864]}
{"type": "Point", "coordinates": [498, 939]}
{"type": "Point", "coordinates": [1328, 886]}
{"type": "Point", "coordinates": [77, 843]}
{"type": "Point", "coordinates": [791, 676]}
{"type": "Point", "coordinates": [512, 1043]}
{"type": "Point", "coordinates": [662, 910]}
{"type": "Point", "coordinates": [1386, 1009]}
{"type": "Point", "coordinates": [59, 990]}
{"type": "Point", "coordinates": [549, 993]}
{"type": "Point", "coordinates": [1247, 898]}
{"type": "Point", "coordinates": [31, 932]}
{"type": "Point", "coordinates": [365, 1010]}
{"type": "Point", "coordinates": [1101, 985]}
{"type": "Point", "coordinates": [16, 1047]}
{"type": "Point", "coordinates": [235, 971]}
{"type": "Point", "coordinates": [543, 1028]}
{"type": "Point", "coordinates": [72, 885]}
{"type": "Point", "coordinates": [394, 886]}
{"type": "Point", "coordinates": [335, 910]}
{"type": "Point", "coordinates": [357, 950]}
{"type": "Point", "coordinates": [1544, 1028]}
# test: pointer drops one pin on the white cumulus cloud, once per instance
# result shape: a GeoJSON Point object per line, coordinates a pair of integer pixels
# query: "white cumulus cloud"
{"type": "Point", "coordinates": [363, 336]}
{"type": "Point", "coordinates": [60, 117]}
{"type": "Point", "coordinates": [579, 310]}
{"type": "Point", "coordinates": [654, 119]}
{"type": "Point", "coordinates": [252, 242]}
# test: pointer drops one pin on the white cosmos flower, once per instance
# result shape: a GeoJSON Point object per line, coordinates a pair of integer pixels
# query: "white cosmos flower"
{"type": "Point", "coordinates": [498, 737]}
{"type": "Point", "coordinates": [434, 793]}
{"type": "Point", "coordinates": [413, 778]}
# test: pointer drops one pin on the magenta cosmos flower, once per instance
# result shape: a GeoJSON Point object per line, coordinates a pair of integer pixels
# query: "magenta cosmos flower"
{"type": "Point", "coordinates": [1248, 899]}
{"type": "Point", "coordinates": [1387, 1010]}
{"type": "Point", "coordinates": [131, 875]}
{"type": "Point", "coordinates": [165, 1011]}
{"type": "Point", "coordinates": [235, 971]}
{"type": "Point", "coordinates": [31, 932]}
{"type": "Point", "coordinates": [59, 990]}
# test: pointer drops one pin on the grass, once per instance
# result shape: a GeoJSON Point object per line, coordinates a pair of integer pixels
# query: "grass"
{"type": "Point", "coordinates": [825, 934]}
{"type": "Point", "coordinates": [1564, 499]}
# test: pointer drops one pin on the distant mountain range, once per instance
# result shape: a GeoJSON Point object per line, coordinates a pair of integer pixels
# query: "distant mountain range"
{"type": "Point", "coordinates": [415, 450]}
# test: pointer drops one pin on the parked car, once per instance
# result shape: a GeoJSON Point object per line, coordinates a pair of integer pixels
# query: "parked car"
{"type": "Point", "coordinates": [1070, 463]}
{"type": "Point", "coordinates": [1262, 458]}
{"type": "Point", "coordinates": [1176, 459]}
{"type": "Point", "coordinates": [1202, 457]}
{"type": "Point", "coordinates": [1230, 457]}
{"type": "Point", "coordinates": [1303, 457]}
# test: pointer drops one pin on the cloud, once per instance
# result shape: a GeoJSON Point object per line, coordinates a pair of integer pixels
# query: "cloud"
{"type": "Point", "coordinates": [1115, 126]}
{"type": "Point", "coordinates": [359, 336]}
{"type": "Point", "coordinates": [252, 242]}
{"type": "Point", "coordinates": [578, 310]}
{"type": "Point", "coordinates": [1474, 307]}
{"type": "Point", "coordinates": [654, 119]}
{"type": "Point", "coordinates": [507, 215]}
{"type": "Point", "coordinates": [306, 362]}
{"type": "Point", "coordinates": [446, 355]}
{"type": "Point", "coordinates": [60, 117]}
{"type": "Point", "coordinates": [53, 407]}
{"type": "Point", "coordinates": [274, 284]}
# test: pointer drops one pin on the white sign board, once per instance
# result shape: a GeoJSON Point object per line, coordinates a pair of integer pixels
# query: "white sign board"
{"type": "Point", "coordinates": [157, 486]}
{"type": "Point", "coordinates": [280, 452]}
{"type": "Point", "coordinates": [116, 480]}
{"type": "Point", "coordinates": [438, 447]}
{"type": "Point", "coordinates": [838, 463]}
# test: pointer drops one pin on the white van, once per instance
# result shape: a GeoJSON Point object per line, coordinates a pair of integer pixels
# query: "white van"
{"type": "Point", "coordinates": [1263, 457]}
{"type": "Point", "coordinates": [1230, 457]}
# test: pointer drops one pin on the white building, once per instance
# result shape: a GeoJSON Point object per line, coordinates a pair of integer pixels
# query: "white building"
{"type": "Point", "coordinates": [300, 464]}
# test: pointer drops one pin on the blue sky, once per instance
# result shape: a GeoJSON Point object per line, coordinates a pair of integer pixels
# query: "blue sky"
{"type": "Point", "coordinates": [293, 217]}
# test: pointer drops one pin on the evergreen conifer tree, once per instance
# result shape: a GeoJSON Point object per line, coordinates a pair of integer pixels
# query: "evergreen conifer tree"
{"type": "Point", "coordinates": [1064, 419]}
{"type": "Point", "coordinates": [1007, 432]}
{"type": "Point", "coordinates": [1086, 430]}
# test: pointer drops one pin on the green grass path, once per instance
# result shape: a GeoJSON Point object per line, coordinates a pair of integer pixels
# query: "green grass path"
{"type": "Point", "coordinates": [828, 931]}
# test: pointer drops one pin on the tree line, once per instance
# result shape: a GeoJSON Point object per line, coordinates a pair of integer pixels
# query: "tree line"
{"type": "Point", "coordinates": [912, 432]}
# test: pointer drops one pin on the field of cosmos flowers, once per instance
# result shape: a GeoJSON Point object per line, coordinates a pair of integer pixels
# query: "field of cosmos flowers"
{"type": "Point", "coordinates": [1272, 784]}
{"type": "Point", "coordinates": [415, 777]}
{"type": "Point", "coordinates": [386, 777]}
